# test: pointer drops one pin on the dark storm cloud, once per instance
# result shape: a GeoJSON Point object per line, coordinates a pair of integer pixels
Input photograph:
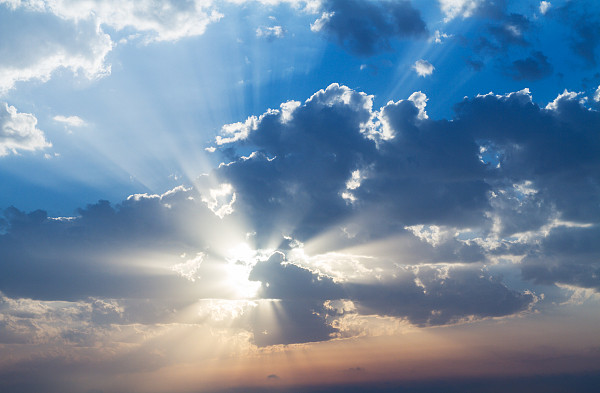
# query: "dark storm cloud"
{"type": "Point", "coordinates": [366, 27]}
{"type": "Point", "coordinates": [531, 68]}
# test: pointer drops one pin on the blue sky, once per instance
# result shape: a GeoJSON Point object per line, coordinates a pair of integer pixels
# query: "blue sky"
{"type": "Point", "coordinates": [283, 176]}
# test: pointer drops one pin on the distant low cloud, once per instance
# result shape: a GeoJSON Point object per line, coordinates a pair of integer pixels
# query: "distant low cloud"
{"type": "Point", "coordinates": [366, 27]}
{"type": "Point", "coordinates": [18, 131]}
{"type": "Point", "coordinates": [423, 68]}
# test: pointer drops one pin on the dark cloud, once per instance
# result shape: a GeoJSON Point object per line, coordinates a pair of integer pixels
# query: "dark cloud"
{"type": "Point", "coordinates": [568, 256]}
{"type": "Point", "coordinates": [497, 30]}
{"type": "Point", "coordinates": [105, 251]}
{"type": "Point", "coordinates": [531, 68]}
{"type": "Point", "coordinates": [425, 296]}
{"type": "Point", "coordinates": [476, 65]}
{"type": "Point", "coordinates": [366, 27]}
{"type": "Point", "coordinates": [433, 296]}
{"type": "Point", "coordinates": [502, 166]}
{"type": "Point", "coordinates": [503, 177]}
{"type": "Point", "coordinates": [584, 19]}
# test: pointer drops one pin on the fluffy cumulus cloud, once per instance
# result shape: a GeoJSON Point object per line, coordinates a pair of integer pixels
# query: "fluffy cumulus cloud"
{"type": "Point", "coordinates": [494, 190]}
{"type": "Point", "coordinates": [39, 43]}
{"type": "Point", "coordinates": [18, 131]}
{"type": "Point", "coordinates": [423, 68]}
{"type": "Point", "coordinates": [325, 212]}
{"type": "Point", "coordinates": [160, 21]}
{"type": "Point", "coordinates": [48, 35]}
{"type": "Point", "coordinates": [366, 27]}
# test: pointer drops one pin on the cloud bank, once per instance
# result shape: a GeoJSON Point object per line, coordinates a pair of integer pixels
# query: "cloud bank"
{"type": "Point", "coordinates": [422, 207]}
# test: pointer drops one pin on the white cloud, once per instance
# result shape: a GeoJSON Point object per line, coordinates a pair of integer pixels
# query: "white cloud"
{"type": "Point", "coordinates": [566, 95]}
{"type": "Point", "coordinates": [162, 21]}
{"type": "Point", "coordinates": [544, 7]}
{"type": "Point", "coordinates": [454, 8]}
{"type": "Point", "coordinates": [423, 68]}
{"type": "Point", "coordinates": [287, 110]}
{"type": "Point", "coordinates": [167, 20]}
{"type": "Point", "coordinates": [237, 131]}
{"type": "Point", "coordinates": [439, 37]}
{"type": "Point", "coordinates": [270, 32]}
{"type": "Point", "coordinates": [40, 44]}
{"type": "Point", "coordinates": [72, 121]}
{"type": "Point", "coordinates": [18, 131]}
{"type": "Point", "coordinates": [221, 200]}
{"type": "Point", "coordinates": [189, 268]}
{"type": "Point", "coordinates": [597, 95]}
{"type": "Point", "coordinates": [321, 22]}
{"type": "Point", "coordinates": [45, 35]}
{"type": "Point", "coordinates": [420, 101]}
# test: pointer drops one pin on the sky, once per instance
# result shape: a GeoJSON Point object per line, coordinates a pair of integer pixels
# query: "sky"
{"type": "Point", "coordinates": [299, 196]}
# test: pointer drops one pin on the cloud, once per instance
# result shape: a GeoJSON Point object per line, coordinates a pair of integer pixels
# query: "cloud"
{"type": "Point", "coordinates": [423, 295]}
{"type": "Point", "coordinates": [454, 8]}
{"type": "Point", "coordinates": [169, 21]}
{"type": "Point", "coordinates": [597, 95]}
{"type": "Point", "coordinates": [130, 250]}
{"type": "Point", "coordinates": [439, 37]}
{"type": "Point", "coordinates": [41, 43]}
{"type": "Point", "coordinates": [567, 255]}
{"type": "Point", "coordinates": [544, 7]}
{"type": "Point", "coordinates": [423, 68]}
{"type": "Point", "coordinates": [18, 132]}
{"type": "Point", "coordinates": [72, 121]}
{"type": "Point", "coordinates": [366, 27]}
{"type": "Point", "coordinates": [503, 167]}
{"type": "Point", "coordinates": [584, 19]}
{"type": "Point", "coordinates": [386, 210]}
{"type": "Point", "coordinates": [531, 68]}
{"type": "Point", "coordinates": [270, 33]}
